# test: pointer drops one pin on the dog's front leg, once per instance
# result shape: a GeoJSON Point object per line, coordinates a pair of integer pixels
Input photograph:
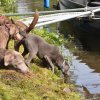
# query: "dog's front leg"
{"type": "Point", "coordinates": [50, 62]}
{"type": "Point", "coordinates": [32, 51]}
{"type": "Point", "coordinates": [30, 57]}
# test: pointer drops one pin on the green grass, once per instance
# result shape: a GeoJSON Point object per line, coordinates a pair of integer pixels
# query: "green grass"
{"type": "Point", "coordinates": [40, 84]}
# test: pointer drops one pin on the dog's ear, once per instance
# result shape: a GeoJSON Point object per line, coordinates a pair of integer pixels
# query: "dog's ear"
{"type": "Point", "coordinates": [12, 21]}
{"type": "Point", "coordinates": [8, 58]}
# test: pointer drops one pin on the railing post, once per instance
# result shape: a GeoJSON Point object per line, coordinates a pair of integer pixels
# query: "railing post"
{"type": "Point", "coordinates": [46, 3]}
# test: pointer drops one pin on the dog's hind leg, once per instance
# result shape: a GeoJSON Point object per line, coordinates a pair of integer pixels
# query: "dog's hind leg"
{"type": "Point", "coordinates": [50, 62]}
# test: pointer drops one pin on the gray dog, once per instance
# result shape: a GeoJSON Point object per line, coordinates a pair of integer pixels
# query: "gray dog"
{"type": "Point", "coordinates": [36, 46]}
{"type": "Point", "coordinates": [14, 59]}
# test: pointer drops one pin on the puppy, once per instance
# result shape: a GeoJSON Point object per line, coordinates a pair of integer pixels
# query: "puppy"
{"type": "Point", "coordinates": [36, 46]}
{"type": "Point", "coordinates": [13, 58]}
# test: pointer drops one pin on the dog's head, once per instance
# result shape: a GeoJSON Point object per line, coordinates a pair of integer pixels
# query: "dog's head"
{"type": "Point", "coordinates": [12, 29]}
{"type": "Point", "coordinates": [15, 59]}
{"type": "Point", "coordinates": [62, 65]}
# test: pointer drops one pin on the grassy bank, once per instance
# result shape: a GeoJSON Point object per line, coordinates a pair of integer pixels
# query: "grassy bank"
{"type": "Point", "coordinates": [41, 84]}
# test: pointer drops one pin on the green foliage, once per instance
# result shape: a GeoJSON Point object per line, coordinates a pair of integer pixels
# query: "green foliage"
{"type": "Point", "coordinates": [50, 37]}
{"type": "Point", "coordinates": [7, 2]}
{"type": "Point", "coordinates": [8, 5]}
{"type": "Point", "coordinates": [55, 39]}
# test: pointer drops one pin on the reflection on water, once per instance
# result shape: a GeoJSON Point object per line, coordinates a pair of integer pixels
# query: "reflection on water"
{"type": "Point", "coordinates": [25, 6]}
{"type": "Point", "coordinates": [85, 77]}
{"type": "Point", "coordinates": [85, 68]}
{"type": "Point", "coordinates": [31, 5]}
{"type": "Point", "coordinates": [28, 5]}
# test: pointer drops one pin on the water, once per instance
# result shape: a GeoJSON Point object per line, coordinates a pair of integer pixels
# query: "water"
{"type": "Point", "coordinates": [29, 5]}
{"type": "Point", "coordinates": [85, 66]}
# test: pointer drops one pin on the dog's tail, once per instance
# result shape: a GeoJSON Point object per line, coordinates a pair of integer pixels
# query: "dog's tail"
{"type": "Point", "coordinates": [33, 23]}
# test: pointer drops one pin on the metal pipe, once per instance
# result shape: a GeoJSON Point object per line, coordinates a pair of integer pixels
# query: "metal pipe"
{"type": "Point", "coordinates": [48, 12]}
{"type": "Point", "coordinates": [45, 18]}
{"type": "Point", "coordinates": [67, 17]}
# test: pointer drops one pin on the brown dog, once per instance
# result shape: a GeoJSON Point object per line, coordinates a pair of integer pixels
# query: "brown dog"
{"type": "Point", "coordinates": [6, 33]}
{"type": "Point", "coordinates": [13, 58]}
{"type": "Point", "coordinates": [4, 36]}
{"type": "Point", "coordinates": [36, 46]}
{"type": "Point", "coordinates": [9, 29]}
{"type": "Point", "coordinates": [5, 20]}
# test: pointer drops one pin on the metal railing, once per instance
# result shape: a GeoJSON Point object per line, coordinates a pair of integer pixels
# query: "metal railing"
{"type": "Point", "coordinates": [53, 18]}
{"type": "Point", "coordinates": [49, 12]}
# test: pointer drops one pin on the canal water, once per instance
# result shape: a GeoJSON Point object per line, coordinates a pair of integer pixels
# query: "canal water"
{"type": "Point", "coordinates": [85, 67]}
